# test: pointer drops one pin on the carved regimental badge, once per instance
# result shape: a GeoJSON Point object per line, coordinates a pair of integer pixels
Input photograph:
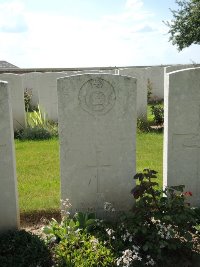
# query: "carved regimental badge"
{"type": "Point", "coordinates": [97, 96]}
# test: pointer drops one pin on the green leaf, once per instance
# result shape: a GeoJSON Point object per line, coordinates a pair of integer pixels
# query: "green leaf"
{"type": "Point", "coordinates": [72, 224]}
{"type": "Point", "coordinates": [138, 176]}
{"type": "Point", "coordinates": [47, 230]}
{"type": "Point", "coordinates": [90, 222]}
{"type": "Point", "coordinates": [179, 188]}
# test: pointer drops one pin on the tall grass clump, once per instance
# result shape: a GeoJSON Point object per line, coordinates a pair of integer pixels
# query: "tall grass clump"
{"type": "Point", "coordinates": [38, 127]}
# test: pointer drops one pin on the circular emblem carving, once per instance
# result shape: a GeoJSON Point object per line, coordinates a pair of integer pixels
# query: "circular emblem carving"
{"type": "Point", "coordinates": [97, 96]}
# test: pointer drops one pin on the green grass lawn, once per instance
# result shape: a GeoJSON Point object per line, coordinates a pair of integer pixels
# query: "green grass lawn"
{"type": "Point", "coordinates": [38, 169]}
{"type": "Point", "coordinates": [149, 153]}
{"type": "Point", "coordinates": [38, 174]}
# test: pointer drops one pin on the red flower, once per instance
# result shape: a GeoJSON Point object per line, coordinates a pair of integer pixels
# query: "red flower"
{"type": "Point", "coordinates": [188, 194]}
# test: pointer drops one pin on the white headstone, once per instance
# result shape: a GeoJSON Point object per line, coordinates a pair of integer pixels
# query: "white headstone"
{"type": "Point", "coordinates": [156, 77]}
{"type": "Point", "coordinates": [17, 98]}
{"type": "Point", "coordinates": [107, 71]}
{"type": "Point", "coordinates": [182, 131]}
{"type": "Point", "coordinates": [47, 91]}
{"type": "Point", "coordinates": [97, 129]}
{"type": "Point", "coordinates": [140, 75]}
{"type": "Point", "coordinates": [179, 67]}
{"type": "Point", "coordinates": [9, 213]}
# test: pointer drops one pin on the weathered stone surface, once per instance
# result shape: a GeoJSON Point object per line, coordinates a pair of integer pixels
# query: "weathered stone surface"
{"type": "Point", "coordinates": [17, 98]}
{"type": "Point", "coordinates": [9, 214]}
{"type": "Point", "coordinates": [97, 126]}
{"type": "Point", "coordinates": [181, 129]}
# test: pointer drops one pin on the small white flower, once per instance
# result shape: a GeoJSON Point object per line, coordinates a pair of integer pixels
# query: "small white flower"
{"type": "Point", "coordinates": [109, 231]}
{"type": "Point", "coordinates": [118, 261]}
{"type": "Point", "coordinates": [78, 230]}
{"type": "Point", "coordinates": [124, 238]}
{"type": "Point", "coordinates": [94, 240]}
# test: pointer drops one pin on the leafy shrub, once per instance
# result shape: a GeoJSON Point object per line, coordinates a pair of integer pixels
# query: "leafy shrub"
{"type": "Point", "coordinates": [22, 249]}
{"type": "Point", "coordinates": [163, 221]}
{"type": "Point", "coordinates": [38, 119]}
{"type": "Point", "coordinates": [34, 133]}
{"type": "Point", "coordinates": [158, 112]}
{"type": "Point", "coordinates": [38, 127]}
{"type": "Point", "coordinates": [149, 90]}
{"type": "Point", "coordinates": [73, 245]}
{"type": "Point", "coordinates": [18, 133]}
{"type": "Point", "coordinates": [27, 99]}
{"type": "Point", "coordinates": [161, 230]}
{"type": "Point", "coordinates": [82, 250]}
{"type": "Point", "coordinates": [143, 125]}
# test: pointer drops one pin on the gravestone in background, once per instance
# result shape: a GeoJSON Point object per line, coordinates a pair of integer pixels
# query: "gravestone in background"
{"type": "Point", "coordinates": [97, 129]}
{"type": "Point", "coordinates": [182, 131]}
{"type": "Point", "coordinates": [17, 98]}
{"type": "Point", "coordinates": [9, 214]}
{"type": "Point", "coordinates": [140, 75]}
{"type": "Point", "coordinates": [47, 92]}
{"type": "Point", "coordinates": [106, 71]}
{"type": "Point", "coordinates": [155, 75]}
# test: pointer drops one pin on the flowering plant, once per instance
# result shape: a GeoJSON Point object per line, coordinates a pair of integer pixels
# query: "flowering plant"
{"type": "Point", "coordinates": [163, 219]}
{"type": "Point", "coordinates": [160, 230]}
{"type": "Point", "coordinates": [71, 242]}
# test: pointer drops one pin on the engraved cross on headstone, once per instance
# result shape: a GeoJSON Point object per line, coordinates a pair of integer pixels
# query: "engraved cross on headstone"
{"type": "Point", "coordinates": [98, 166]}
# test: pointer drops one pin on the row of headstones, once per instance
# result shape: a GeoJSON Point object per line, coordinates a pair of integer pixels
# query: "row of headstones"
{"type": "Point", "coordinates": [43, 87]}
{"type": "Point", "coordinates": [97, 125]}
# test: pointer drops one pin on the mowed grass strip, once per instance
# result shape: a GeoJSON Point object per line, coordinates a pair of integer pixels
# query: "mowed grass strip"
{"type": "Point", "coordinates": [149, 153]}
{"type": "Point", "coordinates": [39, 175]}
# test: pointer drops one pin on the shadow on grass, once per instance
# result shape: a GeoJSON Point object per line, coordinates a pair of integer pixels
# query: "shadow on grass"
{"type": "Point", "coordinates": [149, 127]}
{"type": "Point", "coordinates": [38, 217]}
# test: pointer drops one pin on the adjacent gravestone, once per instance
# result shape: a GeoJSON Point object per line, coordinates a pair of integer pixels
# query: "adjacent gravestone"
{"type": "Point", "coordinates": [97, 127]}
{"type": "Point", "coordinates": [47, 91]}
{"type": "Point", "coordinates": [17, 98]}
{"type": "Point", "coordinates": [140, 75]}
{"type": "Point", "coordinates": [155, 76]}
{"type": "Point", "coordinates": [180, 67]}
{"type": "Point", "coordinates": [9, 215]}
{"type": "Point", "coordinates": [182, 131]}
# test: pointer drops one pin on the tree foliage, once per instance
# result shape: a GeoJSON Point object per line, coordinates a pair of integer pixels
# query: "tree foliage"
{"type": "Point", "coordinates": [185, 25]}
